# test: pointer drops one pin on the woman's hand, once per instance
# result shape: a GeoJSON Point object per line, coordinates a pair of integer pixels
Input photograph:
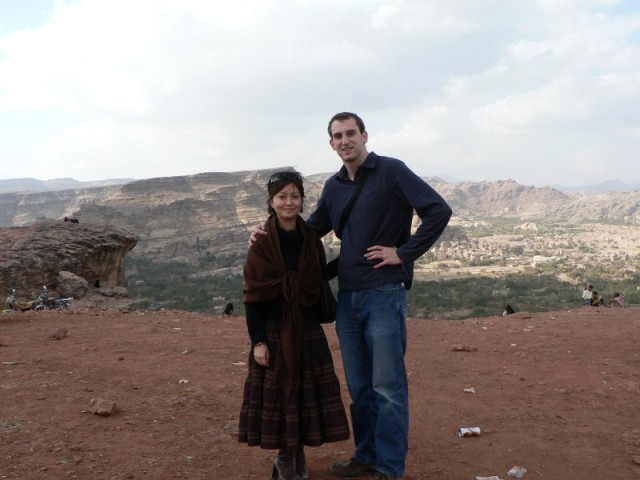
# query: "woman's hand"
{"type": "Point", "coordinates": [261, 354]}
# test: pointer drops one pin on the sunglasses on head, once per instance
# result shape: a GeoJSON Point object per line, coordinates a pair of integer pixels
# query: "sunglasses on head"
{"type": "Point", "coordinates": [285, 177]}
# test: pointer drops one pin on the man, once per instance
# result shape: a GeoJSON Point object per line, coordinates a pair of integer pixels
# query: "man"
{"type": "Point", "coordinates": [228, 309]}
{"type": "Point", "coordinates": [587, 294]}
{"type": "Point", "coordinates": [375, 268]}
{"type": "Point", "coordinates": [11, 300]}
{"type": "Point", "coordinates": [597, 300]}
{"type": "Point", "coordinates": [377, 252]}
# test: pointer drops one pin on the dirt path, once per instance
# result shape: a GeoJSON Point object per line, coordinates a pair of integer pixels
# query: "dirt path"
{"type": "Point", "coordinates": [556, 393]}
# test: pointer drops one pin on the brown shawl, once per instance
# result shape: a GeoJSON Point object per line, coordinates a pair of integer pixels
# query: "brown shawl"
{"type": "Point", "coordinates": [265, 279]}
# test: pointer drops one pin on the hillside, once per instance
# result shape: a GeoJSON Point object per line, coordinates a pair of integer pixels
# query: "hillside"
{"type": "Point", "coordinates": [192, 233]}
{"type": "Point", "coordinates": [23, 185]}
{"type": "Point", "coordinates": [556, 393]}
{"type": "Point", "coordinates": [188, 217]}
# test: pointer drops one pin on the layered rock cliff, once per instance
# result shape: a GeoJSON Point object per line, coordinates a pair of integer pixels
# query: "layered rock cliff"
{"type": "Point", "coordinates": [189, 218]}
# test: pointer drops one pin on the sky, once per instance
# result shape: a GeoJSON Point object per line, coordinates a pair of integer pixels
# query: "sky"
{"type": "Point", "coordinates": [544, 92]}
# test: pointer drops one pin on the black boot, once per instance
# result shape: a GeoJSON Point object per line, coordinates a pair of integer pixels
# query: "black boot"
{"type": "Point", "coordinates": [283, 468]}
{"type": "Point", "coordinates": [300, 463]}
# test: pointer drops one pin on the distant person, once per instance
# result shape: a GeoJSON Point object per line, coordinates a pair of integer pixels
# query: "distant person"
{"type": "Point", "coordinates": [291, 394]}
{"type": "Point", "coordinates": [228, 309]}
{"type": "Point", "coordinates": [74, 220]}
{"type": "Point", "coordinates": [617, 301]}
{"type": "Point", "coordinates": [508, 310]}
{"type": "Point", "coordinates": [11, 300]}
{"type": "Point", "coordinates": [587, 294]}
{"type": "Point", "coordinates": [597, 300]}
{"type": "Point", "coordinates": [66, 219]}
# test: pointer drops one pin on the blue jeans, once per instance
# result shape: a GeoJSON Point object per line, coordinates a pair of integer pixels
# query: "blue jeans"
{"type": "Point", "coordinates": [372, 330]}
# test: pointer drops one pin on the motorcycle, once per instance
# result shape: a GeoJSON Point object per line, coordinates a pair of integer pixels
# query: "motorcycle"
{"type": "Point", "coordinates": [61, 303]}
{"type": "Point", "coordinates": [44, 303]}
{"type": "Point", "coordinates": [40, 302]}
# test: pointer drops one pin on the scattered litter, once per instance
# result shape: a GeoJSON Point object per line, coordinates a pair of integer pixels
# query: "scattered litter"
{"type": "Point", "coordinates": [183, 380]}
{"type": "Point", "coordinates": [514, 344]}
{"type": "Point", "coordinates": [493, 477]}
{"type": "Point", "coordinates": [470, 390]}
{"type": "Point", "coordinates": [239, 364]}
{"type": "Point", "coordinates": [469, 431]}
{"type": "Point", "coordinates": [10, 363]}
{"type": "Point", "coordinates": [517, 472]}
{"type": "Point", "coordinates": [177, 328]}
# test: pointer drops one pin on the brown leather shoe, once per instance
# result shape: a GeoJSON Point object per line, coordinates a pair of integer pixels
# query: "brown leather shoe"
{"type": "Point", "coordinates": [384, 476]}
{"type": "Point", "coordinates": [353, 468]}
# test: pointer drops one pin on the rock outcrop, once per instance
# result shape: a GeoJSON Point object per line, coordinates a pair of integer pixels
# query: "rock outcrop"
{"type": "Point", "coordinates": [60, 255]}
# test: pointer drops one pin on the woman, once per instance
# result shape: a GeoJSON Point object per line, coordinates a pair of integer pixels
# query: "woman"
{"type": "Point", "coordinates": [291, 395]}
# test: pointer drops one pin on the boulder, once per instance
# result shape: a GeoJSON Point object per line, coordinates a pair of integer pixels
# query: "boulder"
{"type": "Point", "coordinates": [58, 334]}
{"type": "Point", "coordinates": [34, 256]}
{"type": "Point", "coordinates": [71, 285]}
{"type": "Point", "coordinates": [101, 406]}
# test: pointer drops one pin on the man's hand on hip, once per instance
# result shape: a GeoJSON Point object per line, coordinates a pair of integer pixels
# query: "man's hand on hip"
{"type": "Point", "coordinates": [386, 255]}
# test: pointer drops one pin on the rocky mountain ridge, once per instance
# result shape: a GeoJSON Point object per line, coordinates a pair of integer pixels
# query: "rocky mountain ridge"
{"type": "Point", "coordinates": [188, 217]}
{"type": "Point", "coordinates": [24, 185]}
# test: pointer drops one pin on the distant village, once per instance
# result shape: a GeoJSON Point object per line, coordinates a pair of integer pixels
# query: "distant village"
{"type": "Point", "coordinates": [572, 253]}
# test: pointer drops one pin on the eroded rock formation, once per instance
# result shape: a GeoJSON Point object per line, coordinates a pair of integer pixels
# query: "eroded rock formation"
{"type": "Point", "coordinates": [34, 256]}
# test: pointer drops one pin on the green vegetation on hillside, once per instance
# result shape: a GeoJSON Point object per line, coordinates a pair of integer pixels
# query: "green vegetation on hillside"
{"type": "Point", "coordinates": [175, 285]}
{"type": "Point", "coordinates": [485, 296]}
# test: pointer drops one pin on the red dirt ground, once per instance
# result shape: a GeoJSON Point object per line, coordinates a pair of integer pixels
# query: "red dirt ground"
{"type": "Point", "coordinates": [556, 393]}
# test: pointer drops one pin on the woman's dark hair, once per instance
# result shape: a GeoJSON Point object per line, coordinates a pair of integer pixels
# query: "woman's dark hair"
{"type": "Point", "coordinates": [278, 181]}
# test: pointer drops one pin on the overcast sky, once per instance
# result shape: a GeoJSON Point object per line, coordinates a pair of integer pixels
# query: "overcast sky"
{"type": "Point", "coordinates": [540, 91]}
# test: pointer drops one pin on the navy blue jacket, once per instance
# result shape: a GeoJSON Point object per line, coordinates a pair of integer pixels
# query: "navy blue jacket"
{"type": "Point", "coordinates": [381, 216]}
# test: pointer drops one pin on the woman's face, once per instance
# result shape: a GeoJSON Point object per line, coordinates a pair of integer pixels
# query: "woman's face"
{"type": "Point", "coordinates": [287, 203]}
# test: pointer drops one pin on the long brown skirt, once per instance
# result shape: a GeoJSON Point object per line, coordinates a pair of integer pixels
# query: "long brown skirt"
{"type": "Point", "coordinates": [313, 412]}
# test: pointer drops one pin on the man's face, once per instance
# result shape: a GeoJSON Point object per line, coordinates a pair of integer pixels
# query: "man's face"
{"type": "Point", "coordinates": [347, 141]}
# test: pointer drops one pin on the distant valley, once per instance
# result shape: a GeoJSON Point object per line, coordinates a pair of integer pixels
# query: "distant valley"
{"type": "Point", "coordinates": [195, 228]}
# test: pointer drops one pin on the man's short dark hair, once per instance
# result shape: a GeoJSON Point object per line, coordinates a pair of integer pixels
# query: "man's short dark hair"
{"type": "Point", "coordinates": [342, 116]}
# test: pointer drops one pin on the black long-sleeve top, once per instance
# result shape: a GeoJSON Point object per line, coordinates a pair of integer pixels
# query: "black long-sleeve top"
{"type": "Point", "coordinates": [381, 216]}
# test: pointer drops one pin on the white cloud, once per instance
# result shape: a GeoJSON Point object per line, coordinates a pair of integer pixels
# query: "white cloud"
{"type": "Point", "coordinates": [478, 90]}
{"type": "Point", "coordinates": [552, 106]}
